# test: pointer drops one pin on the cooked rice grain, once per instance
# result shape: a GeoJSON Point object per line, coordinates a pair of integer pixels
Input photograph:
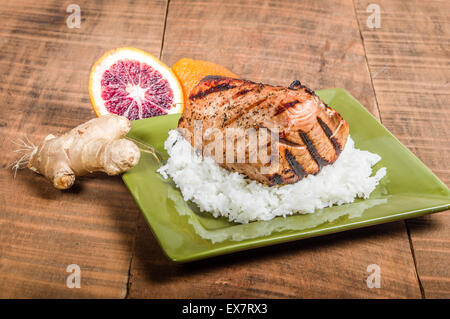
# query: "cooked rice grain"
{"type": "Point", "coordinates": [230, 194]}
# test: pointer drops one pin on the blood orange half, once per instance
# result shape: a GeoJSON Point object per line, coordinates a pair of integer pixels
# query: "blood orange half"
{"type": "Point", "coordinates": [135, 84]}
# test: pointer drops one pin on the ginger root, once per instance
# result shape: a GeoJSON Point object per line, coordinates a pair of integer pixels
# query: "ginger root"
{"type": "Point", "coordinates": [95, 146]}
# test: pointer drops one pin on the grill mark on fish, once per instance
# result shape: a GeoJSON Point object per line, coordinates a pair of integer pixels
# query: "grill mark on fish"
{"type": "Point", "coordinates": [245, 110]}
{"type": "Point", "coordinates": [242, 92]}
{"type": "Point", "coordinates": [296, 166]}
{"type": "Point", "coordinates": [308, 90]}
{"type": "Point", "coordinates": [287, 142]}
{"type": "Point", "coordinates": [288, 171]}
{"type": "Point", "coordinates": [285, 106]}
{"type": "Point", "coordinates": [281, 139]}
{"type": "Point", "coordinates": [329, 134]}
{"type": "Point", "coordinates": [296, 84]}
{"type": "Point", "coordinates": [276, 179]}
{"type": "Point", "coordinates": [254, 105]}
{"type": "Point", "coordinates": [290, 143]}
{"type": "Point", "coordinates": [321, 162]}
{"type": "Point", "coordinates": [213, 89]}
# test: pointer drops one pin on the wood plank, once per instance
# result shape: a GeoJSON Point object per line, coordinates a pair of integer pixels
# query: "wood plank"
{"type": "Point", "coordinates": [410, 65]}
{"type": "Point", "coordinates": [276, 42]}
{"type": "Point", "coordinates": [44, 72]}
{"type": "Point", "coordinates": [332, 266]}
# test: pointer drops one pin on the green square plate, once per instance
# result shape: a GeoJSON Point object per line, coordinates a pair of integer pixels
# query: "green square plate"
{"type": "Point", "coordinates": [409, 189]}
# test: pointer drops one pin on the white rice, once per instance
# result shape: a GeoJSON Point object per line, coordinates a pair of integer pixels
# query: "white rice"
{"type": "Point", "coordinates": [223, 193]}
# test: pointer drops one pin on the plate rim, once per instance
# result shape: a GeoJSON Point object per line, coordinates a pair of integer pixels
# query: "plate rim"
{"type": "Point", "coordinates": [277, 238]}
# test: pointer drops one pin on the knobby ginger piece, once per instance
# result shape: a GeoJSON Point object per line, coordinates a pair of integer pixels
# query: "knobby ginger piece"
{"type": "Point", "coordinates": [94, 146]}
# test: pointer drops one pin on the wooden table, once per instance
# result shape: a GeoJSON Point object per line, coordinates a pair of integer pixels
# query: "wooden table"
{"type": "Point", "coordinates": [399, 71]}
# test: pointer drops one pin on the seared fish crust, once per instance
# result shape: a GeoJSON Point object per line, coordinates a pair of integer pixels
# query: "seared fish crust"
{"type": "Point", "coordinates": [310, 133]}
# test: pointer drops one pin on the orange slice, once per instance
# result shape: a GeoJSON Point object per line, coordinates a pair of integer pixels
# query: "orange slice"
{"type": "Point", "coordinates": [135, 84]}
{"type": "Point", "coordinates": [190, 72]}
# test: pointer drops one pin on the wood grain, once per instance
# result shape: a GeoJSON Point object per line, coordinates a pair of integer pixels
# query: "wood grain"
{"type": "Point", "coordinates": [276, 42]}
{"type": "Point", "coordinates": [44, 73]}
{"type": "Point", "coordinates": [44, 69]}
{"type": "Point", "coordinates": [409, 60]}
{"type": "Point", "coordinates": [327, 267]}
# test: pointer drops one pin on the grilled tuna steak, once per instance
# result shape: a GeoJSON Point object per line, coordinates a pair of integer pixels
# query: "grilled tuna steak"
{"type": "Point", "coordinates": [310, 134]}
